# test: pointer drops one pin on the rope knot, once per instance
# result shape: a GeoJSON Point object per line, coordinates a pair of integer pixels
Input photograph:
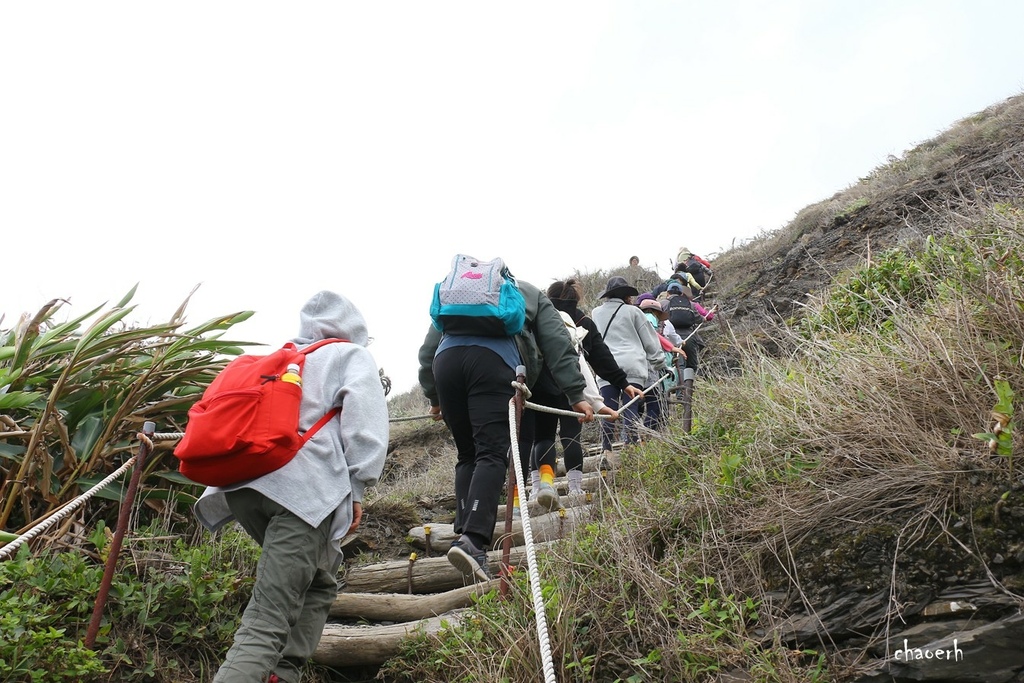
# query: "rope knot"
{"type": "Point", "coordinates": [521, 386]}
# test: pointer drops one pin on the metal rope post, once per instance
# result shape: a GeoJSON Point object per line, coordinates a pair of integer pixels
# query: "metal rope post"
{"type": "Point", "coordinates": [145, 445]}
{"type": "Point", "coordinates": [506, 543]}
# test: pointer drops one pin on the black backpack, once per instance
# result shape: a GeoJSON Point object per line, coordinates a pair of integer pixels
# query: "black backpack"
{"type": "Point", "coordinates": [681, 313]}
{"type": "Point", "coordinates": [698, 270]}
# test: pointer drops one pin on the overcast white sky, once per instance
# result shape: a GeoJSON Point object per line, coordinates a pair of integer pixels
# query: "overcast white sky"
{"type": "Point", "coordinates": [265, 151]}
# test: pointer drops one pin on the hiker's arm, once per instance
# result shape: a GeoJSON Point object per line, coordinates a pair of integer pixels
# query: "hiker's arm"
{"type": "Point", "coordinates": [426, 361]}
{"type": "Point", "coordinates": [586, 409]}
{"type": "Point", "coordinates": [364, 417]}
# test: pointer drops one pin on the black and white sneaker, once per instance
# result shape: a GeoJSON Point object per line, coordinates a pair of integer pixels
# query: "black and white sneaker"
{"type": "Point", "coordinates": [469, 559]}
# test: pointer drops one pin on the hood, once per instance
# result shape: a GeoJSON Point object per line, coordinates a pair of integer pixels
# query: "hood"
{"type": "Point", "coordinates": [567, 305]}
{"type": "Point", "coordinates": [576, 334]}
{"type": "Point", "coordinates": [328, 315]}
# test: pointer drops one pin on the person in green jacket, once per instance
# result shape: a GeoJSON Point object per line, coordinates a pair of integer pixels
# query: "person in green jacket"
{"type": "Point", "coordinates": [468, 381]}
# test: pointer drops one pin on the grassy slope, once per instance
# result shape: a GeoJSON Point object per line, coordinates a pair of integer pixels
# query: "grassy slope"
{"type": "Point", "coordinates": [834, 458]}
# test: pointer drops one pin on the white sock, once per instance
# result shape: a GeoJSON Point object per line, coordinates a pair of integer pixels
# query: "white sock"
{"type": "Point", "coordinates": [535, 479]}
{"type": "Point", "coordinates": [575, 478]}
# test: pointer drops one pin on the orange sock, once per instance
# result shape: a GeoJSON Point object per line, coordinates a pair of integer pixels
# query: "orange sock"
{"type": "Point", "coordinates": [515, 496]}
{"type": "Point", "coordinates": [547, 474]}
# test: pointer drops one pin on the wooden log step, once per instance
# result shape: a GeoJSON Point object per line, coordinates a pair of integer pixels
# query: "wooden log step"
{"type": "Point", "coordinates": [347, 646]}
{"type": "Point", "coordinates": [548, 526]}
{"type": "Point", "coordinates": [405, 607]}
{"type": "Point", "coordinates": [591, 463]}
{"type": "Point", "coordinates": [428, 575]}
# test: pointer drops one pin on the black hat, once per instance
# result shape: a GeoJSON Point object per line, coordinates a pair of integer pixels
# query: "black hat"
{"type": "Point", "coordinates": [618, 287]}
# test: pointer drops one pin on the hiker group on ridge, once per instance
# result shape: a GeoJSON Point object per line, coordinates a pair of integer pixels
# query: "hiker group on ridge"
{"type": "Point", "coordinates": [488, 329]}
{"type": "Point", "coordinates": [490, 334]}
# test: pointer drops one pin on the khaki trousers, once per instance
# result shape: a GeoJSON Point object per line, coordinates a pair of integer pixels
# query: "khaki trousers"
{"type": "Point", "coordinates": [294, 590]}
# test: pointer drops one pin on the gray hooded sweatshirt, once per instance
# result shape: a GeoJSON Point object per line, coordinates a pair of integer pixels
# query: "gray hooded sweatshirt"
{"type": "Point", "coordinates": [632, 340]}
{"type": "Point", "coordinates": [331, 471]}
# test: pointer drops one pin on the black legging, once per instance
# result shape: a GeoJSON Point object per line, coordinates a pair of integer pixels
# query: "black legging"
{"type": "Point", "coordinates": [547, 426]}
{"type": "Point", "coordinates": [474, 386]}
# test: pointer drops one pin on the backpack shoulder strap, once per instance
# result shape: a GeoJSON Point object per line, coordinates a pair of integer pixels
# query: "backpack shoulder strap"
{"type": "Point", "coordinates": [333, 411]}
{"type": "Point", "coordinates": [317, 344]}
{"type": "Point", "coordinates": [319, 424]}
{"type": "Point", "coordinates": [605, 333]}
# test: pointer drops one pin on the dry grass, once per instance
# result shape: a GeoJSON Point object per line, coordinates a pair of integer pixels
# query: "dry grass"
{"type": "Point", "coordinates": [855, 439]}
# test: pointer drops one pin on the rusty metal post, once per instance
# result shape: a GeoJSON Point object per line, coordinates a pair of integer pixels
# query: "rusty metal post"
{"type": "Point", "coordinates": [687, 405]}
{"type": "Point", "coordinates": [506, 544]}
{"type": "Point", "coordinates": [148, 430]}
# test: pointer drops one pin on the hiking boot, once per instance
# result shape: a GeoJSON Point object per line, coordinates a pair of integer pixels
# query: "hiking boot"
{"type": "Point", "coordinates": [469, 559]}
{"type": "Point", "coordinates": [576, 497]}
{"type": "Point", "coordinates": [547, 497]}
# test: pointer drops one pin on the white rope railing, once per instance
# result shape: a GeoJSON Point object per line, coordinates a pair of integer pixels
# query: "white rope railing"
{"type": "Point", "coordinates": [64, 511]}
{"type": "Point", "coordinates": [540, 616]}
{"type": "Point", "coordinates": [572, 413]}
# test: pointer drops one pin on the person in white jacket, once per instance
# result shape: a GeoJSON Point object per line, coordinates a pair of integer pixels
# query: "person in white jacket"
{"type": "Point", "coordinates": [591, 394]}
{"type": "Point", "coordinates": [300, 513]}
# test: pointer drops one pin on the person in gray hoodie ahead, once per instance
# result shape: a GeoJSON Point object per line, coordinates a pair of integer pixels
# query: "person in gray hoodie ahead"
{"type": "Point", "coordinates": [300, 512]}
{"type": "Point", "coordinates": [635, 346]}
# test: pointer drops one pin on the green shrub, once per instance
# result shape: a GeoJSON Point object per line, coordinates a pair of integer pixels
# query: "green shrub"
{"type": "Point", "coordinates": [175, 611]}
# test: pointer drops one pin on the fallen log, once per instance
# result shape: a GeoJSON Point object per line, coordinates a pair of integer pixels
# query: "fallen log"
{"type": "Point", "coordinates": [405, 607]}
{"type": "Point", "coordinates": [343, 646]}
{"type": "Point", "coordinates": [425, 575]}
{"type": "Point", "coordinates": [549, 526]}
{"type": "Point", "coordinates": [591, 463]}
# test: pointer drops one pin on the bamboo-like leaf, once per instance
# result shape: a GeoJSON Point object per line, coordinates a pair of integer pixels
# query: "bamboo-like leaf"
{"type": "Point", "coordinates": [104, 323]}
{"type": "Point", "coordinates": [219, 323]}
{"type": "Point", "coordinates": [88, 431]}
{"type": "Point", "coordinates": [25, 334]}
{"type": "Point", "coordinates": [9, 451]}
{"type": "Point", "coordinates": [14, 400]}
{"type": "Point", "coordinates": [127, 297]}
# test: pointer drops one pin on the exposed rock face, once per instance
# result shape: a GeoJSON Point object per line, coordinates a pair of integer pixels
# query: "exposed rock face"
{"type": "Point", "coordinates": [989, 653]}
{"type": "Point", "coordinates": [862, 592]}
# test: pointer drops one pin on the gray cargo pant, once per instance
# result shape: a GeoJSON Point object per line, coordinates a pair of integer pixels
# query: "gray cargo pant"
{"type": "Point", "coordinates": [294, 590]}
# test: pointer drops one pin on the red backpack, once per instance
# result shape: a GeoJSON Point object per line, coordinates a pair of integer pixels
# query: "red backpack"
{"type": "Point", "coordinates": [247, 422]}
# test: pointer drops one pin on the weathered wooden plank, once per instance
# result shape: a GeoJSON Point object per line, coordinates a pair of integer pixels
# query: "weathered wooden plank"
{"type": "Point", "coordinates": [405, 607]}
{"type": "Point", "coordinates": [346, 646]}
{"type": "Point", "coordinates": [546, 526]}
{"type": "Point", "coordinates": [428, 575]}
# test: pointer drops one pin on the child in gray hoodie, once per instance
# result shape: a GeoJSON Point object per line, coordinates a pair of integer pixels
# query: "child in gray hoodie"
{"type": "Point", "coordinates": [300, 512]}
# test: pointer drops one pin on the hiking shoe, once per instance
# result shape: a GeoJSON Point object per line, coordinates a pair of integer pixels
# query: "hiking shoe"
{"type": "Point", "coordinates": [469, 559]}
{"type": "Point", "coordinates": [574, 498]}
{"type": "Point", "coordinates": [547, 497]}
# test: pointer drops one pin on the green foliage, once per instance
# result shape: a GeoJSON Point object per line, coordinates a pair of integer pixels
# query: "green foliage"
{"type": "Point", "coordinates": [1000, 439]}
{"type": "Point", "coordinates": [854, 206]}
{"type": "Point", "coordinates": [73, 393]}
{"type": "Point", "coordinates": [180, 614]}
{"type": "Point", "coordinates": [35, 621]}
{"type": "Point", "coordinates": [873, 295]}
